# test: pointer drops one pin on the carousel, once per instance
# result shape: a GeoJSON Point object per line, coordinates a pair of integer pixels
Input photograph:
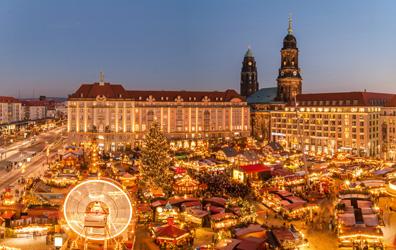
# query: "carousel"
{"type": "Point", "coordinates": [187, 185]}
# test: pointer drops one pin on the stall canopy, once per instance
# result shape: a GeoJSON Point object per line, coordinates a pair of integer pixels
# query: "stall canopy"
{"type": "Point", "coordinates": [255, 168]}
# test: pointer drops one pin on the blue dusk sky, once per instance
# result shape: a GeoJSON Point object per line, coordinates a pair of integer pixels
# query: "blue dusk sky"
{"type": "Point", "coordinates": [50, 47]}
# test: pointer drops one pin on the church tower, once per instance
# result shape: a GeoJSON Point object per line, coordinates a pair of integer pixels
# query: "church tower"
{"type": "Point", "coordinates": [289, 79]}
{"type": "Point", "coordinates": [249, 83]}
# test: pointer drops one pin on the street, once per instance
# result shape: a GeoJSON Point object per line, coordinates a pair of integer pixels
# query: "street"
{"type": "Point", "coordinates": [37, 163]}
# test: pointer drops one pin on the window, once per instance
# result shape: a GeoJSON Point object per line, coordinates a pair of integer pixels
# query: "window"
{"type": "Point", "coordinates": [206, 120]}
{"type": "Point", "coordinates": [179, 119]}
{"type": "Point", "coordinates": [150, 117]}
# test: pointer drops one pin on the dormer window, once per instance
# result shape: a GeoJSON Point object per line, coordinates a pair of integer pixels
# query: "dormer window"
{"type": "Point", "coordinates": [162, 98]}
{"type": "Point", "coordinates": [140, 98]}
{"type": "Point", "coordinates": [82, 95]}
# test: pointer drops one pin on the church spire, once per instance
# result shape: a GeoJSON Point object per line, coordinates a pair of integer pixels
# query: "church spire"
{"type": "Point", "coordinates": [249, 52]}
{"type": "Point", "coordinates": [290, 29]}
{"type": "Point", "coordinates": [289, 79]}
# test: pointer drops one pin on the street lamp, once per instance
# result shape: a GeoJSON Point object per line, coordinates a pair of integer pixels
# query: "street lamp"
{"type": "Point", "coordinates": [58, 241]}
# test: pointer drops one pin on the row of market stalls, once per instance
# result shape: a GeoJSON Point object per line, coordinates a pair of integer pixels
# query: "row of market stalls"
{"type": "Point", "coordinates": [359, 221]}
{"type": "Point", "coordinates": [255, 237]}
{"type": "Point", "coordinates": [174, 220]}
{"type": "Point", "coordinates": [288, 205]}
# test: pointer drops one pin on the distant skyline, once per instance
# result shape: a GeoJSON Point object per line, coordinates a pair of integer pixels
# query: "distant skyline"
{"type": "Point", "coordinates": [51, 47]}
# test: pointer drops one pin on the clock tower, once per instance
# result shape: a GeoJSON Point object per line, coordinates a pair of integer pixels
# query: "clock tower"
{"type": "Point", "coordinates": [249, 83]}
{"type": "Point", "coordinates": [289, 79]}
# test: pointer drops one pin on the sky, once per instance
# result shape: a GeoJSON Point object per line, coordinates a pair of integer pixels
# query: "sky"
{"type": "Point", "coordinates": [50, 47]}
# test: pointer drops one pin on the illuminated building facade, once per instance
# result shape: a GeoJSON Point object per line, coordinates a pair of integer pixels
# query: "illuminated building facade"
{"type": "Point", "coordinates": [34, 110]}
{"type": "Point", "coordinates": [118, 118]}
{"type": "Point", "coordinates": [332, 122]}
{"type": "Point", "coordinates": [10, 110]}
{"type": "Point", "coordinates": [388, 130]}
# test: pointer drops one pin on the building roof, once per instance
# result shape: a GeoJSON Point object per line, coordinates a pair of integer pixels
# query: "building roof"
{"type": "Point", "coordinates": [229, 151]}
{"type": "Point", "coordinates": [255, 168]}
{"type": "Point", "coordinates": [391, 102]}
{"type": "Point", "coordinates": [95, 89]}
{"type": "Point", "coordinates": [36, 103]}
{"type": "Point", "coordinates": [283, 234]}
{"type": "Point", "coordinates": [170, 231]}
{"type": "Point", "coordinates": [8, 99]}
{"type": "Point", "coordinates": [216, 200]}
{"type": "Point", "coordinates": [264, 95]}
{"type": "Point", "coordinates": [251, 243]}
{"type": "Point", "coordinates": [251, 228]}
{"type": "Point", "coordinates": [115, 91]}
{"type": "Point", "coordinates": [354, 98]}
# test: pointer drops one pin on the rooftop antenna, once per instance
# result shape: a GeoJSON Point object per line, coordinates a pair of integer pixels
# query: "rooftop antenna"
{"type": "Point", "coordinates": [101, 78]}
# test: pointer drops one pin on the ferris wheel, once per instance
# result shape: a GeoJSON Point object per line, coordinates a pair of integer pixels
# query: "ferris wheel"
{"type": "Point", "coordinates": [97, 210]}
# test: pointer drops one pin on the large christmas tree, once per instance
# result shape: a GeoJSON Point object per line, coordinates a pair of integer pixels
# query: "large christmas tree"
{"type": "Point", "coordinates": [156, 160]}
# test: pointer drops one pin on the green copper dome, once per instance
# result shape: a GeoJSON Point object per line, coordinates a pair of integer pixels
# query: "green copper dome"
{"type": "Point", "coordinates": [249, 53]}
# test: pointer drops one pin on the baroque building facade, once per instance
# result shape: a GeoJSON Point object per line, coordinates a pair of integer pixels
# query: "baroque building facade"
{"type": "Point", "coordinates": [360, 123]}
{"type": "Point", "coordinates": [119, 118]}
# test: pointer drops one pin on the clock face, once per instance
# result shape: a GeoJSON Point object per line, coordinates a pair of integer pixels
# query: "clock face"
{"type": "Point", "coordinates": [250, 63]}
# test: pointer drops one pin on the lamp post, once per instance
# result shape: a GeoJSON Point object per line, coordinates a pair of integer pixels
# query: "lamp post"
{"type": "Point", "coordinates": [58, 241]}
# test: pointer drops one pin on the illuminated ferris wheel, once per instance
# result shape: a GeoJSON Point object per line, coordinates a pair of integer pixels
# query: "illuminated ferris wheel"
{"type": "Point", "coordinates": [97, 210]}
